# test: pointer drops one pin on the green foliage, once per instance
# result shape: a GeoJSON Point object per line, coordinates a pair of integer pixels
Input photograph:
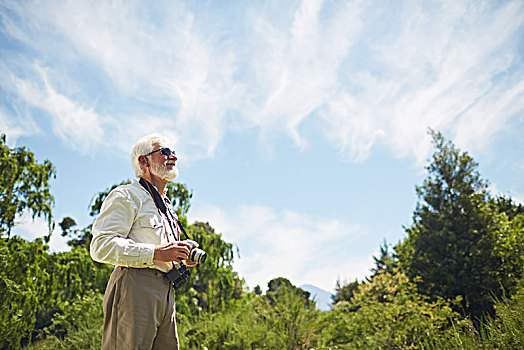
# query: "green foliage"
{"type": "Point", "coordinates": [240, 326]}
{"type": "Point", "coordinates": [37, 284]}
{"type": "Point", "coordinates": [387, 313]}
{"type": "Point", "coordinates": [390, 315]}
{"type": "Point", "coordinates": [83, 323]}
{"type": "Point", "coordinates": [18, 296]}
{"type": "Point", "coordinates": [505, 331]}
{"type": "Point", "coordinates": [462, 243]}
{"type": "Point", "coordinates": [78, 236]}
{"type": "Point", "coordinates": [282, 286]}
{"type": "Point", "coordinates": [180, 196]}
{"type": "Point", "coordinates": [257, 290]}
{"type": "Point", "coordinates": [293, 317]}
{"type": "Point", "coordinates": [508, 206]}
{"type": "Point", "coordinates": [345, 292]}
{"type": "Point", "coordinates": [459, 243]}
{"type": "Point", "coordinates": [281, 320]}
{"type": "Point", "coordinates": [385, 262]}
{"type": "Point", "coordinates": [24, 185]}
{"type": "Point", "coordinates": [212, 284]}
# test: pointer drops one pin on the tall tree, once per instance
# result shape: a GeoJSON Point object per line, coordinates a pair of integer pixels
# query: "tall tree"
{"type": "Point", "coordinates": [24, 185]}
{"type": "Point", "coordinates": [344, 292]}
{"type": "Point", "coordinates": [277, 287]}
{"type": "Point", "coordinates": [458, 243]}
{"type": "Point", "coordinates": [385, 262]}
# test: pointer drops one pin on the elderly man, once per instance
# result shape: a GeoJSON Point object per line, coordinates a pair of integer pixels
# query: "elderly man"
{"type": "Point", "coordinates": [137, 231]}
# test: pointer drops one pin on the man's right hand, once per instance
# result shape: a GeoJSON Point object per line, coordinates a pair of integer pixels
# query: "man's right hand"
{"type": "Point", "coordinates": [174, 251]}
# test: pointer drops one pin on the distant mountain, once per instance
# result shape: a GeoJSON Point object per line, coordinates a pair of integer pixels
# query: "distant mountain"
{"type": "Point", "coordinates": [321, 297]}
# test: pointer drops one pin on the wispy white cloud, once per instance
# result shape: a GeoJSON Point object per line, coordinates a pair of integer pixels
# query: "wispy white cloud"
{"type": "Point", "coordinates": [156, 60]}
{"type": "Point", "coordinates": [173, 65]}
{"type": "Point", "coordinates": [296, 65]}
{"type": "Point", "coordinates": [442, 70]}
{"type": "Point", "coordinates": [453, 57]}
{"type": "Point", "coordinates": [76, 125]}
{"type": "Point", "coordinates": [491, 115]}
{"type": "Point", "coordinates": [368, 75]}
{"type": "Point", "coordinates": [300, 247]}
{"type": "Point", "coordinates": [442, 65]}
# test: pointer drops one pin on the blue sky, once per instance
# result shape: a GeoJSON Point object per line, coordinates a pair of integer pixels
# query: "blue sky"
{"type": "Point", "coordinates": [301, 126]}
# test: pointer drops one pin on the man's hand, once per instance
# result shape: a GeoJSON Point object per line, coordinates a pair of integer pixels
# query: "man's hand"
{"type": "Point", "coordinates": [174, 251]}
{"type": "Point", "coordinates": [190, 263]}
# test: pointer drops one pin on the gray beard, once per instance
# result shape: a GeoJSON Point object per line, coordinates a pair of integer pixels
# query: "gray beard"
{"type": "Point", "coordinates": [162, 172]}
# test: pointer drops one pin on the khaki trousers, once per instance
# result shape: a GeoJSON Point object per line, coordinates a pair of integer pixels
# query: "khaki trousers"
{"type": "Point", "coordinates": [139, 311]}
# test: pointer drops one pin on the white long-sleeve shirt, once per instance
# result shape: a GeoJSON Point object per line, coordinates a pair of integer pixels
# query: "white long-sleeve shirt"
{"type": "Point", "coordinates": [128, 228]}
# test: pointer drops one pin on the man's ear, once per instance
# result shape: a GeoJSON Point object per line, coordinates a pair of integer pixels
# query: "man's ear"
{"type": "Point", "coordinates": [143, 160]}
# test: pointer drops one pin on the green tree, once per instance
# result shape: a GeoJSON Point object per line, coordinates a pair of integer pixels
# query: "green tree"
{"type": "Point", "coordinates": [386, 313]}
{"type": "Point", "coordinates": [278, 287]}
{"type": "Point", "coordinates": [80, 327]}
{"type": "Point", "coordinates": [24, 185]}
{"type": "Point", "coordinates": [508, 206]}
{"type": "Point", "coordinates": [345, 292]}
{"type": "Point", "coordinates": [282, 319]}
{"type": "Point", "coordinates": [213, 284]}
{"type": "Point", "coordinates": [459, 244]}
{"type": "Point", "coordinates": [294, 317]}
{"type": "Point", "coordinates": [385, 262]}
{"type": "Point", "coordinates": [35, 285]}
{"type": "Point", "coordinates": [78, 236]}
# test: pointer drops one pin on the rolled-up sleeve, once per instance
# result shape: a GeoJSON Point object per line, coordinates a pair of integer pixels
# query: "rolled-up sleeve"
{"type": "Point", "coordinates": [111, 243]}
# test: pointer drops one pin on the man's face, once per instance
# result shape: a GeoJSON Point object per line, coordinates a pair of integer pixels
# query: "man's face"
{"type": "Point", "coordinates": [163, 166]}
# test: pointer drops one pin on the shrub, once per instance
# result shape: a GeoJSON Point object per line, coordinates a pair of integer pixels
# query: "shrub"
{"type": "Point", "coordinates": [388, 313]}
{"type": "Point", "coordinates": [80, 326]}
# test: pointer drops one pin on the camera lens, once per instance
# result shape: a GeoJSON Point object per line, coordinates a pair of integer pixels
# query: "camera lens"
{"type": "Point", "coordinates": [197, 255]}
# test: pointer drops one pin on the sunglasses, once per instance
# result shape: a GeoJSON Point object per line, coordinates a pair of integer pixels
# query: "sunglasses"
{"type": "Point", "coordinates": [164, 150]}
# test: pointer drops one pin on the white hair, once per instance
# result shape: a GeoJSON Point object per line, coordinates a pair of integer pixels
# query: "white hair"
{"type": "Point", "coordinates": [143, 147]}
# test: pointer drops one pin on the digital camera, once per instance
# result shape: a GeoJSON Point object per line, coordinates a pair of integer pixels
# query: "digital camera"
{"type": "Point", "coordinates": [178, 276]}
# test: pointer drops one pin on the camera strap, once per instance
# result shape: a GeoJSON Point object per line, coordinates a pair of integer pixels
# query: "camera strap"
{"type": "Point", "coordinates": [177, 277]}
{"type": "Point", "coordinates": [161, 205]}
